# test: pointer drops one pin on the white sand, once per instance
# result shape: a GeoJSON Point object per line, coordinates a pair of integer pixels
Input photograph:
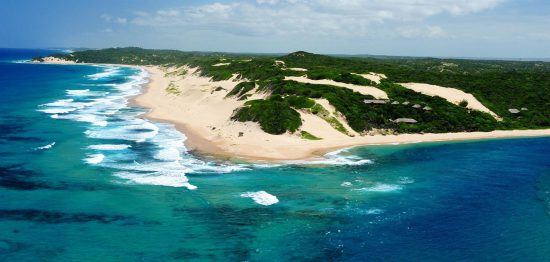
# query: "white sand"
{"type": "Point", "coordinates": [221, 64]}
{"type": "Point", "coordinates": [365, 90]}
{"type": "Point", "coordinates": [296, 69]}
{"type": "Point", "coordinates": [204, 118]}
{"type": "Point", "coordinates": [452, 95]}
{"type": "Point", "coordinates": [375, 77]}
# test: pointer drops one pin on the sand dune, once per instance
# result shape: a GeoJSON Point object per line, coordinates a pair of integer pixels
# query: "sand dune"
{"type": "Point", "coordinates": [203, 115]}
{"type": "Point", "coordinates": [452, 95]}
{"type": "Point", "coordinates": [365, 90]}
{"type": "Point", "coordinates": [375, 77]}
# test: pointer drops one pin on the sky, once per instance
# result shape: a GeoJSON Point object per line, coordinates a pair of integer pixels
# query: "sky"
{"type": "Point", "coordinates": [448, 28]}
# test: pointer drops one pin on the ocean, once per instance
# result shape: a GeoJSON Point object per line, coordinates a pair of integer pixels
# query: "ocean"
{"type": "Point", "coordinates": [84, 178]}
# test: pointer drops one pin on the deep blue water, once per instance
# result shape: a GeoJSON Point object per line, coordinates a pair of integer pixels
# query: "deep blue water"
{"type": "Point", "coordinates": [83, 178]}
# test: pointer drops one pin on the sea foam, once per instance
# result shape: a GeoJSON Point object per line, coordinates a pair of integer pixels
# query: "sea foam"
{"type": "Point", "coordinates": [108, 72]}
{"type": "Point", "coordinates": [261, 197]}
{"type": "Point", "coordinates": [46, 147]}
{"type": "Point", "coordinates": [380, 187]}
{"type": "Point", "coordinates": [109, 147]}
{"type": "Point", "coordinates": [336, 158]}
{"type": "Point", "coordinates": [94, 159]}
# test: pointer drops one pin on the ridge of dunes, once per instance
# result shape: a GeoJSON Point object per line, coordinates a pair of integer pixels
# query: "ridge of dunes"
{"type": "Point", "coordinates": [452, 95]}
{"type": "Point", "coordinates": [365, 90]}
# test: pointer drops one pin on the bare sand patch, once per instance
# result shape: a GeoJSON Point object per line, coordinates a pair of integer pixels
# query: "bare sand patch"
{"type": "Point", "coordinates": [375, 77]}
{"type": "Point", "coordinates": [452, 95]}
{"type": "Point", "coordinates": [365, 90]}
{"type": "Point", "coordinates": [221, 64]}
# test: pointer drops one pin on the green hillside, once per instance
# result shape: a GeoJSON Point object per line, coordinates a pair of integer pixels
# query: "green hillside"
{"type": "Point", "coordinates": [499, 85]}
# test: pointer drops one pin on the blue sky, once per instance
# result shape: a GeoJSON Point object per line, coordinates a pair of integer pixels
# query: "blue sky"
{"type": "Point", "coordinates": [463, 28]}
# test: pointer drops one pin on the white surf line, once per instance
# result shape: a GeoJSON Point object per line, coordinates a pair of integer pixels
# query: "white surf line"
{"type": "Point", "coordinates": [365, 90]}
{"type": "Point", "coordinates": [452, 95]}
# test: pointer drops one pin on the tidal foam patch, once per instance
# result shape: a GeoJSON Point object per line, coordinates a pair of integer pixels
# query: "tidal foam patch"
{"type": "Point", "coordinates": [108, 72]}
{"type": "Point", "coordinates": [261, 197]}
{"type": "Point", "coordinates": [46, 147]}
{"type": "Point", "coordinates": [337, 158]}
{"type": "Point", "coordinates": [380, 187]}
{"type": "Point", "coordinates": [95, 159]}
{"type": "Point", "coordinates": [109, 147]}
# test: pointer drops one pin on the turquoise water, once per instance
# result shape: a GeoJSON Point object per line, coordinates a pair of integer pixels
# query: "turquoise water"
{"type": "Point", "coordinates": [83, 178]}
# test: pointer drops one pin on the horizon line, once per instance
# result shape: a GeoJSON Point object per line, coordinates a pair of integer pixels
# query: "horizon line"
{"type": "Point", "coordinates": [357, 55]}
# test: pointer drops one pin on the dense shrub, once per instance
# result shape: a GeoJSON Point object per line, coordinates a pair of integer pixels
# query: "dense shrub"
{"type": "Point", "coordinates": [241, 89]}
{"type": "Point", "coordinates": [299, 102]}
{"type": "Point", "coordinates": [274, 115]}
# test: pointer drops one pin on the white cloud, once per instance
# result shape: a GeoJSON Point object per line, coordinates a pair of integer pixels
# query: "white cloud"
{"type": "Point", "coordinates": [106, 17]}
{"type": "Point", "coordinates": [121, 20]}
{"type": "Point", "coordinates": [110, 19]}
{"type": "Point", "coordinates": [313, 17]}
{"type": "Point", "coordinates": [421, 32]}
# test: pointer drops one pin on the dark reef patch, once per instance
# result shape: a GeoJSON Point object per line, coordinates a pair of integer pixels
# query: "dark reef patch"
{"type": "Point", "coordinates": [56, 217]}
{"type": "Point", "coordinates": [15, 177]}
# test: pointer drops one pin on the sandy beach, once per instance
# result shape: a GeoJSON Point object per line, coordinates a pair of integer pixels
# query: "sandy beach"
{"type": "Point", "coordinates": [198, 107]}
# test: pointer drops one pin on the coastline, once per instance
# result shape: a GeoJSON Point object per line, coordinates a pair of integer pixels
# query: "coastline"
{"type": "Point", "coordinates": [203, 116]}
{"type": "Point", "coordinates": [204, 119]}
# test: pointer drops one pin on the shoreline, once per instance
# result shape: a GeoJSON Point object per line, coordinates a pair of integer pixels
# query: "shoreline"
{"type": "Point", "coordinates": [199, 139]}
{"type": "Point", "coordinates": [203, 117]}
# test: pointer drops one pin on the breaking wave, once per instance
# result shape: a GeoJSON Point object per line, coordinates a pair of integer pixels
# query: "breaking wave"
{"type": "Point", "coordinates": [137, 150]}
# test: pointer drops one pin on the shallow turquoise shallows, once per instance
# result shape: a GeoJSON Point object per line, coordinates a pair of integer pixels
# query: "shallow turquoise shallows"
{"type": "Point", "coordinates": [83, 178]}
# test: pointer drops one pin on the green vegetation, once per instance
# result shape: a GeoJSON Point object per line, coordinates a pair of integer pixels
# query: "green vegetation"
{"type": "Point", "coordinates": [274, 115]}
{"type": "Point", "coordinates": [241, 89]}
{"type": "Point", "coordinates": [343, 77]}
{"type": "Point", "coordinates": [499, 85]}
{"type": "Point", "coordinates": [299, 102]}
{"type": "Point", "coordinates": [173, 89]}
{"type": "Point", "coordinates": [308, 136]}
